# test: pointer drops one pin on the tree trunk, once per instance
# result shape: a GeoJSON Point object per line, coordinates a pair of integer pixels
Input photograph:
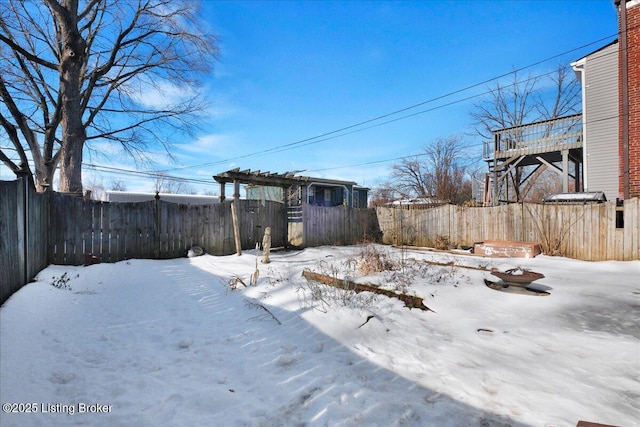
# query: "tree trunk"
{"type": "Point", "coordinates": [71, 166]}
{"type": "Point", "coordinates": [72, 62]}
{"type": "Point", "coordinates": [43, 178]}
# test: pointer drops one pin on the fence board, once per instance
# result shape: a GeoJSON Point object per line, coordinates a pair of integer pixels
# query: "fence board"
{"type": "Point", "coordinates": [611, 225]}
{"type": "Point", "coordinates": [76, 226]}
{"type": "Point", "coordinates": [116, 225]}
{"type": "Point", "coordinates": [632, 224]}
{"type": "Point", "coordinates": [37, 232]}
{"type": "Point", "coordinates": [54, 232]}
{"type": "Point", "coordinates": [102, 211]}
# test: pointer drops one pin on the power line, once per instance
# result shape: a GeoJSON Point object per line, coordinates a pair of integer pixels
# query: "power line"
{"type": "Point", "coordinates": [327, 135]}
{"type": "Point", "coordinates": [144, 174]}
{"type": "Point", "coordinates": [413, 156]}
{"type": "Point", "coordinates": [354, 128]}
{"type": "Point", "coordinates": [315, 141]}
{"type": "Point", "coordinates": [341, 132]}
{"type": "Point", "coordinates": [160, 175]}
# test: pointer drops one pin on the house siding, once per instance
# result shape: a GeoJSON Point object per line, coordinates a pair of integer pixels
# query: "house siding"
{"type": "Point", "coordinates": [600, 121]}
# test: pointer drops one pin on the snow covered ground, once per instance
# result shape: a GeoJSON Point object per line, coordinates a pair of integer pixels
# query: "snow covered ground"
{"type": "Point", "coordinates": [150, 343]}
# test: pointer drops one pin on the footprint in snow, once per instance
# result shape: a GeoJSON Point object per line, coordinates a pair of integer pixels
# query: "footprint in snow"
{"type": "Point", "coordinates": [285, 360]}
{"type": "Point", "coordinates": [185, 343]}
{"type": "Point", "coordinates": [62, 377]}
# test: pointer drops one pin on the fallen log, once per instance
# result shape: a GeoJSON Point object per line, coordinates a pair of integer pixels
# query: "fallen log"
{"type": "Point", "coordinates": [410, 301]}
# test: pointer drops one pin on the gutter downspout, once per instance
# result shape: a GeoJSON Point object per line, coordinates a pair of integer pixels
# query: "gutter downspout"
{"type": "Point", "coordinates": [578, 67]}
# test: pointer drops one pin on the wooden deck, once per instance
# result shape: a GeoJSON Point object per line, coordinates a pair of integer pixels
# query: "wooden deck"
{"type": "Point", "coordinates": [550, 144]}
{"type": "Point", "coordinates": [548, 136]}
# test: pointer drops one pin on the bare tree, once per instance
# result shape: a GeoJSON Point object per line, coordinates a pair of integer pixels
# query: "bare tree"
{"type": "Point", "coordinates": [94, 187]}
{"type": "Point", "coordinates": [506, 105]}
{"type": "Point", "coordinates": [118, 185]}
{"type": "Point", "coordinates": [448, 178]}
{"type": "Point", "coordinates": [74, 72]}
{"type": "Point", "coordinates": [546, 184]}
{"type": "Point", "coordinates": [523, 101]}
{"type": "Point", "coordinates": [163, 183]}
{"type": "Point", "coordinates": [410, 177]}
{"type": "Point", "coordinates": [439, 173]}
{"type": "Point", "coordinates": [564, 98]}
{"type": "Point", "coordinates": [383, 193]}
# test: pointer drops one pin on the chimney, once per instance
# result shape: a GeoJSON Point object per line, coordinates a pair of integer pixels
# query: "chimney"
{"type": "Point", "coordinates": [629, 87]}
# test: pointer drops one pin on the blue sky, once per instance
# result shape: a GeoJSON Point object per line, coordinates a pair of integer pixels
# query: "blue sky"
{"type": "Point", "coordinates": [290, 71]}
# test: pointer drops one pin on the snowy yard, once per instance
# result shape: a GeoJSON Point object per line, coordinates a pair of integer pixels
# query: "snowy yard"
{"type": "Point", "coordinates": [150, 343]}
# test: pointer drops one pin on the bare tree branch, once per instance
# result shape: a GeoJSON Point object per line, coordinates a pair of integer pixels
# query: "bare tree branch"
{"type": "Point", "coordinates": [507, 105]}
{"type": "Point", "coordinates": [75, 71]}
{"type": "Point", "coordinates": [565, 99]}
{"type": "Point", "coordinates": [438, 174]}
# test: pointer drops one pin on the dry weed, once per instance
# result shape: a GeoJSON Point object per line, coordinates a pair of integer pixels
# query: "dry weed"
{"type": "Point", "coordinates": [371, 261]}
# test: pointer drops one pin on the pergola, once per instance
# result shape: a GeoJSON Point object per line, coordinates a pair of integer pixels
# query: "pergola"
{"type": "Point", "coordinates": [237, 177]}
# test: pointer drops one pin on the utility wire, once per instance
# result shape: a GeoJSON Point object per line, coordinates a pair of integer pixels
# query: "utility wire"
{"type": "Point", "coordinates": [162, 174]}
{"type": "Point", "coordinates": [145, 174]}
{"type": "Point", "coordinates": [329, 136]}
{"type": "Point", "coordinates": [323, 137]}
{"type": "Point", "coordinates": [417, 155]}
{"type": "Point", "coordinates": [350, 128]}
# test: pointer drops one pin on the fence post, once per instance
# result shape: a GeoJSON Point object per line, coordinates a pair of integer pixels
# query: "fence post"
{"type": "Point", "coordinates": [285, 201]}
{"type": "Point", "coordinates": [156, 227]}
{"type": "Point", "coordinates": [522, 236]}
{"type": "Point", "coordinates": [236, 229]}
{"type": "Point", "coordinates": [49, 195]}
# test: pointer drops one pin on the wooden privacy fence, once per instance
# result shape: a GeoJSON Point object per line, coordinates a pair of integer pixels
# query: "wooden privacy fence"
{"type": "Point", "coordinates": [23, 230]}
{"type": "Point", "coordinates": [589, 232]}
{"type": "Point", "coordinates": [38, 229]}
{"type": "Point", "coordinates": [156, 229]}
{"type": "Point", "coordinates": [341, 225]}
{"type": "Point", "coordinates": [41, 229]}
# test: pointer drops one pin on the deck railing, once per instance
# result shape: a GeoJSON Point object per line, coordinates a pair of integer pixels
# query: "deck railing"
{"type": "Point", "coordinates": [534, 138]}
